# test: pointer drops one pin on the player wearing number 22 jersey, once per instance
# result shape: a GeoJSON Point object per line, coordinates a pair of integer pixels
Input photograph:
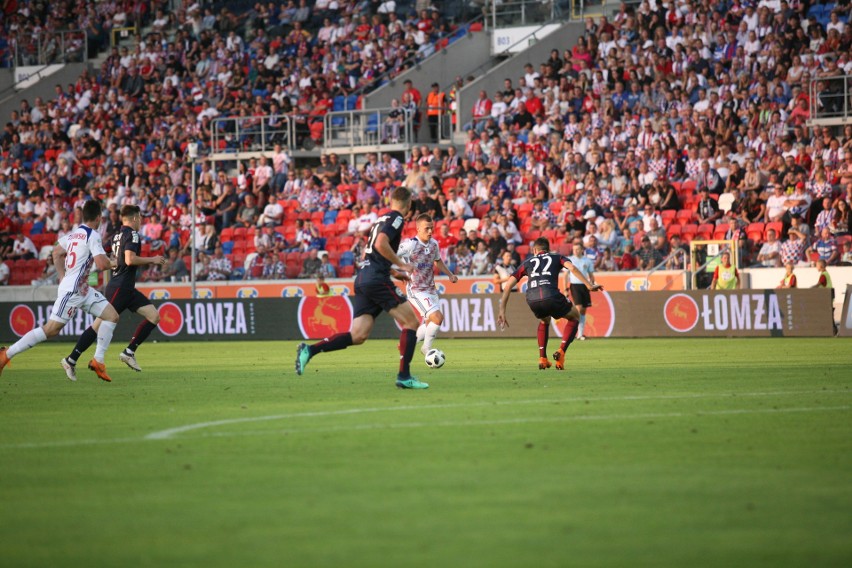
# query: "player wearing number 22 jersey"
{"type": "Point", "coordinates": [545, 299]}
{"type": "Point", "coordinates": [374, 293]}
{"type": "Point", "coordinates": [73, 256]}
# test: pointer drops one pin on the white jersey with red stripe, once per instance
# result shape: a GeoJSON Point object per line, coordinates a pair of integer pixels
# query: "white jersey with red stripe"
{"type": "Point", "coordinates": [422, 256]}
{"type": "Point", "coordinates": [81, 246]}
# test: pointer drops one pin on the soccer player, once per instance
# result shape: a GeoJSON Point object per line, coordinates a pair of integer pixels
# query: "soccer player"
{"type": "Point", "coordinates": [579, 292]}
{"type": "Point", "coordinates": [424, 253]}
{"type": "Point", "coordinates": [375, 292]}
{"type": "Point", "coordinates": [73, 256]}
{"type": "Point", "coordinates": [544, 298]}
{"type": "Point", "coordinates": [122, 293]}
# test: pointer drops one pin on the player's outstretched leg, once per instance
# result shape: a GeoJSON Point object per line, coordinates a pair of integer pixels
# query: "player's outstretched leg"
{"type": "Point", "coordinates": [28, 341]}
{"type": "Point", "coordinates": [305, 352]}
{"type": "Point", "coordinates": [4, 359]}
{"type": "Point", "coordinates": [404, 380]}
{"type": "Point", "coordinates": [568, 335]}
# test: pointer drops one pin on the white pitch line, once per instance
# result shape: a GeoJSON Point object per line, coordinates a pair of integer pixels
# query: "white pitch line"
{"type": "Point", "coordinates": [166, 434]}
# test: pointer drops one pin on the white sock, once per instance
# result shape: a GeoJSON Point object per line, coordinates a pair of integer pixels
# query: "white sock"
{"type": "Point", "coordinates": [104, 339]}
{"type": "Point", "coordinates": [28, 341]}
{"type": "Point", "coordinates": [421, 332]}
{"type": "Point", "coordinates": [431, 331]}
{"type": "Point", "coordinates": [582, 326]}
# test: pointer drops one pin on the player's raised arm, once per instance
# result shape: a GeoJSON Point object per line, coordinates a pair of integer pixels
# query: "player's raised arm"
{"type": "Point", "coordinates": [590, 285]}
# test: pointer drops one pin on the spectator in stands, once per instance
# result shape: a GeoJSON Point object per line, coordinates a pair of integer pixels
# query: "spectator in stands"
{"type": "Point", "coordinates": [326, 269]}
{"type": "Point", "coordinates": [825, 247]}
{"type": "Point", "coordinates": [311, 265]}
{"type": "Point", "coordinates": [23, 248]}
{"type": "Point", "coordinates": [220, 267]}
{"type": "Point", "coordinates": [793, 248]}
{"type": "Point", "coordinates": [175, 268]}
{"type": "Point", "coordinates": [226, 207]}
{"type": "Point", "coordinates": [4, 273]}
{"type": "Point", "coordinates": [770, 252]}
{"type": "Point", "coordinates": [708, 209]}
{"type": "Point", "coordinates": [647, 257]}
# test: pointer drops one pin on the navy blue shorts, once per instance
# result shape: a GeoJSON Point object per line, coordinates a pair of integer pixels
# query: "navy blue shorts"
{"type": "Point", "coordinates": [581, 296]}
{"type": "Point", "coordinates": [373, 298]}
{"type": "Point", "coordinates": [123, 299]}
{"type": "Point", "coordinates": [556, 307]}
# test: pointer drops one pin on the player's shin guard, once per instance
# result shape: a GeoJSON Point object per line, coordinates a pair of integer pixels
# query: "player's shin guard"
{"type": "Point", "coordinates": [83, 343]}
{"type": "Point", "coordinates": [407, 342]}
{"type": "Point", "coordinates": [333, 343]}
{"type": "Point", "coordinates": [569, 333]}
{"type": "Point", "coordinates": [28, 341]}
{"type": "Point", "coordinates": [104, 339]}
{"type": "Point", "coordinates": [431, 332]}
{"type": "Point", "coordinates": [543, 336]}
{"type": "Point", "coordinates": [142, 332]}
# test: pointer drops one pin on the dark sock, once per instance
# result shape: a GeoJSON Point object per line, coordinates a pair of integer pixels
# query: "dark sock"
{"type": "Point", "coordinates": [543, 335]}
{"type": "Point", "coordinates": [569, 333]}
{"type": "Point", "coordinates": [142, 332]}
{"type": "Point", "coordinates": [333, 343]}
{"type": "Point", "coordinates": [84, 342]}
{"type": "Point", "coordinates": [407, 342]}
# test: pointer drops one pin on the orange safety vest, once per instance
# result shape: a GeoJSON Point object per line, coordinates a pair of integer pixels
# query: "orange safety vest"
{"type": "Point", "coordinates": [434, 102]}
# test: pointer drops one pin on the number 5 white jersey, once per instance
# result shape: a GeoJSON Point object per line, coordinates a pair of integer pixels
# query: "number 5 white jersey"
{"type": "Point", "coordinates": [422, 256]}
{"type": "Point", "coordinates": [81, 246]}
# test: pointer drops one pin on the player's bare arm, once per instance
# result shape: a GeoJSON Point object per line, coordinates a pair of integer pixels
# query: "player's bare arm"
{"type": "Point", "coordinates": [102, 262]}
{"type": "Point", "coordinates": [132, 259]}
{"type": "Point", "coordinates": [446, 270]}
{"type": "Point", "coordinates": [383, 246]}
{"type": "Point", "coordinates": [589, 284]}
{"type": "Point", "coordinates": [504, 301]}
{"type": "Point", "coordinates": [59, 260]}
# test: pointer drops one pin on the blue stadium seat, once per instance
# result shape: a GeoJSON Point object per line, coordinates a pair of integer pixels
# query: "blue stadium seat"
{"type": "Point", "coordinates": [329, 218]}
{"type": "Point", "coordinates": [351, 102]}
{"type": "Point", "coordinates": [347, 258]}
{"type": "Point", "coordinates": [228, 247]}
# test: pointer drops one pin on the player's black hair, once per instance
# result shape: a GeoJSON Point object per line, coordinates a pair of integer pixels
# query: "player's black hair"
{"type": "Point", "coordinates": [401, 194]}
{"type": "Point", "coordinates": [91, 210]}
{"type": "Point", "coordinates": [129, 211]}
{"type": "Point", "coordinates": [542, 244]}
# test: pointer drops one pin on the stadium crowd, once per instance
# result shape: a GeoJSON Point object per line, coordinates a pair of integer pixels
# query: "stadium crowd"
{"type": "Point", "coordinates": [674, 121]}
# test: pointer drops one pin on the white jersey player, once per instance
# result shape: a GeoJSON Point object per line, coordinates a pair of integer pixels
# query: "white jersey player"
{"type": "Point", "coordinates": [73, 256]}
{"type": "Point", "coordinates": [423, 253]}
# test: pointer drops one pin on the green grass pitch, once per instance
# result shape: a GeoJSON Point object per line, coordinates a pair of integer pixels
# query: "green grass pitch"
{"type": "Point", "coordinates": [655, 453]}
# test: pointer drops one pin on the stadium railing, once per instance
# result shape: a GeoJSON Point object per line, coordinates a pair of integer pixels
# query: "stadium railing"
{"type": "Point", "coordinates": [253, 134]}
{"type": "Point", "coordinates": [51, 47]}
{"type": "Point", "coordinates": [830, 100]}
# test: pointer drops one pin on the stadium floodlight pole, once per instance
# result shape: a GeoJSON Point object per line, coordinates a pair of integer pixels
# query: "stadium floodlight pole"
{"type": "Point", "coordinates": [193, 156]}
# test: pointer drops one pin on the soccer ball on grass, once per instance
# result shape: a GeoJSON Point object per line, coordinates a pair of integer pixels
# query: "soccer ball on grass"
{"type": "Point", "coordinates": [435, 358]}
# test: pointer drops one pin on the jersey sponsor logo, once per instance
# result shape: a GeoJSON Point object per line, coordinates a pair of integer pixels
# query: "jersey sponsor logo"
{"type": "Point", "coordinates": [681, 313]}
{"type": "Point", "coordinates": [324, 316]}
{"type": "Point", "coordinates": [482, 287]}
{"type": "Point", "coordinates": [171, 319]}
{"type": "Point", "coordinates": [22, 320]}
{"type": "Point", "coordinates": [524, 286]}
{"type": "Point", "coordinates": [203, 294]}
{"type": "Point", "coordinates": [637, 284]}
{"type": "Point", "coordinates": [247, 293]}
{"type": "Point", "coordinates": [292, 292]}
{"type": "Point", "coordinates": [600, 318]}
{"type": "Point", "coordinates": [159, 294]}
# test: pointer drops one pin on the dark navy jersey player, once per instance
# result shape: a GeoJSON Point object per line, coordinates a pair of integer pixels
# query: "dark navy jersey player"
{"type": "Point", "coordinates": [122, 293]}
{"type": "Point", "coordinates": [544, 298]}
{"type": "Point", "coordinates": [375, 293]}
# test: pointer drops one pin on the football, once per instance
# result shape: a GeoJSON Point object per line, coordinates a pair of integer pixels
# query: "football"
{"type": "Point", "coordinates": [435, 358]}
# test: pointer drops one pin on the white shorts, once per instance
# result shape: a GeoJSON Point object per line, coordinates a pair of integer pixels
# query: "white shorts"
{"type": "Point", "coordinates": [67, 304]}
{"type": "Point", "coordinates": [424, 302]}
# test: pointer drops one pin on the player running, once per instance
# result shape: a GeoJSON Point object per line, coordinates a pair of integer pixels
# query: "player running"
{"type": "Point", "coordinates": [73, 256]}
{"type": "Point", "coordinates": [122, 293]}
{"type": "Point", "coordinates": [375, 292]}
{"type": "Point", "coordinates": [544, 298]}
{"type": "Point", "coordinates": [424, 253]}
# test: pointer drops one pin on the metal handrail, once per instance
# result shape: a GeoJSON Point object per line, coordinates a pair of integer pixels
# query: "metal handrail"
{"type": "Point", "coordinates": [830, 97]}
{"type": "Point", "coordinates": [351, 128]}
{"type": "Point", "coordinates": [530, 12]}
{"type": "Point", "coordinates": [45, 50]}
{"type": "Point", "coordinates": [253, 133]}
{"type": "Point", "coordinates": [663, 263]}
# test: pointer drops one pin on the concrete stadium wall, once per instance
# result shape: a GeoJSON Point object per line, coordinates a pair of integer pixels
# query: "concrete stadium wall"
{"type": "Point", "coordinates": [45, 88]}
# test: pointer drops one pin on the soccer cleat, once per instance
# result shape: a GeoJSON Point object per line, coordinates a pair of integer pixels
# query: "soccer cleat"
{"type": "Point", "coordinates": [130, 361]}
{"type": "Point", "coordinates": [543, 363]}
{"type": "Point", "coordinates": [4, 359]}
{"type": "Point", "coordinates": [559, 357]}
{"type": "Point", "coordinates": [70, 370]}
{"type": "Point", "coordinates": [303, 355]}
{"type": "Point", "coordinates": [100, 370]}
{"type": "Point", "coordinates": [424, 350]}
{"type": "Point", "coordinates": [410, 383]}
